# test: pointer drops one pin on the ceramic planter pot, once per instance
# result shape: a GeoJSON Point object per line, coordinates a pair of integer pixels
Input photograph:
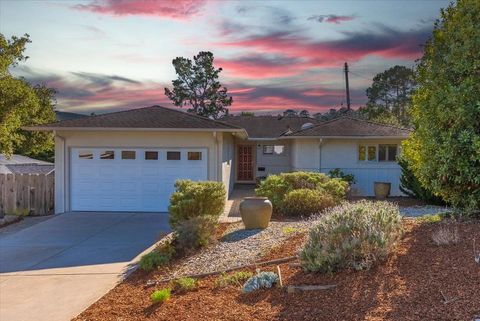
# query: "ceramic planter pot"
{"type": "Point", "coordinates": [381, 189]}
{"type": "Point", "coordinates": [256, 212]}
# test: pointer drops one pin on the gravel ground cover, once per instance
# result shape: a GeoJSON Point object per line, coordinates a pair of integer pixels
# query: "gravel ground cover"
{"type": "Point", "coordinates": [410, 285]}
{"type": "Point", "coordinates": [416, 211]}
{"type": "Point", "coordinates": [238, 247]}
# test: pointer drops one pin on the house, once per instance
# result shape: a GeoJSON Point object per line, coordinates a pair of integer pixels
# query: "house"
{"type": "Point", "coordinates": [129, 160]}
{"type": "Point", "coordinates": [19, 164]}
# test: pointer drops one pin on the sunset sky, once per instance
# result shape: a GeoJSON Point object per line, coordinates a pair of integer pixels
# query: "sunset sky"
{"type": "Point", "coordinates": [111, 55]}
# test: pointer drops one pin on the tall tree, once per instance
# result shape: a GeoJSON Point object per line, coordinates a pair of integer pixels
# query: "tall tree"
{"type": "Point", "coordinates": [197, 86]}
{"type": "Point", "coordinates": [390, 96]}
{"type": "Point", "coordinates": [22, 104]}
{"type": "Point", "coordinates": [304, 113]}
{"type": "Point", "coordinates": [444, 150]}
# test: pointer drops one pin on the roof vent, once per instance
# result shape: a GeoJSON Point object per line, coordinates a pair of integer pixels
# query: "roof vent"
{"type": "Point", "coordinates": [306, 125]}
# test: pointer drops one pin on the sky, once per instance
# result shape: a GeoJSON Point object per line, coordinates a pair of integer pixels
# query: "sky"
{"type": "Point", "coordinates": [109, 55]}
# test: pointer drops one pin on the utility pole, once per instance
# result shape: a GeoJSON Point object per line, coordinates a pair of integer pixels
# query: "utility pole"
{"type": "Point", "coordinates": [347, 88]}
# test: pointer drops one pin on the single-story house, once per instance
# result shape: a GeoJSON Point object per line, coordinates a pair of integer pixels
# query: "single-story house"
{"type": "Point", "coordinates": [19, 164]}
{"type": "Point", "coordinates": [129, 160]}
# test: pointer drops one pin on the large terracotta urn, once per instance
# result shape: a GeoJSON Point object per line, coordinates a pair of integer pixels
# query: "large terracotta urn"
{"type": "Point", "coordinates": [256, 212]}
{"type": "Point", "coordinates": [381, 189]}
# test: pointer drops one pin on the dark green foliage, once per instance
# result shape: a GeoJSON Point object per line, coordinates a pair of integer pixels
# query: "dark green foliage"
{"type": "Point", "coordinates": [390, 96]}
{"type": "Point", "coordinates": [276, 187]}
{"type": "Point", "coordinates": [411, 186]}
{"type": "Point", "coordinates": [22, 104]}
{"type": "Point", "coordinates": [194, 211]}
{"type": "Point", "coordinates": [444, 150]}
{"type": "Point", "coordinates": [198, 87]}
{"type": "Point", "coordinates": [338, 173]}
{"type": "Point", "coordinates": [305, 202]}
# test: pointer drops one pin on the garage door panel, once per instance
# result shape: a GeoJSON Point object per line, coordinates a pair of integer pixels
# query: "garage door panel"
{"type": "Point", "coordinates": [130, 184]}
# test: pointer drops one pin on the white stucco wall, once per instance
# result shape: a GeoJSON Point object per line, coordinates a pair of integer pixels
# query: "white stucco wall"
{"type": "Point", "coordinates": [273, 163]}
{"type": "Point", "coordinates": [343, 154]}
{"type": "Point", "coordinates": [65, 140]}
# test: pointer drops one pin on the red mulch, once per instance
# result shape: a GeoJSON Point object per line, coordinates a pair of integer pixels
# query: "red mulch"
{"type": "Point", "coordinates": [405, 287]}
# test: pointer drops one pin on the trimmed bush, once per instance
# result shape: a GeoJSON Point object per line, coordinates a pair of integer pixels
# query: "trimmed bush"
{"type": "Point", "coordinates": [160, 296]}
{"type": "Point", "coordinates": [152, 260]}
{"type": "Point", "coordinates": [276, 187]}
{"type": "Point", "coordinates": [184, 284]}
{"type": "Point", "coordinates": [194, 211]}
{"type": "Point", "coordinates": [304, 202]}
{"type": "Point", "coordinates": [352, 236]}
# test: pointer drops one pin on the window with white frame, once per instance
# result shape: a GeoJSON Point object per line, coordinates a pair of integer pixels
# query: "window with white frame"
{"type": "Point", "coordinates": [387, 152]}
{"type": "Point", "coordinates": [367, 153]}
{"type": "Point", "coordinates": [273, 149]}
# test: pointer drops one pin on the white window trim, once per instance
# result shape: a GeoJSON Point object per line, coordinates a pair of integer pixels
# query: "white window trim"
{"type": "Point", "coordinates": [386, 154]}
{"type": "Point", "coordinates": [377, 150]}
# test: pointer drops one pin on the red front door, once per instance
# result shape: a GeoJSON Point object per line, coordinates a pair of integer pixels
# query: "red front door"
{"type": "Point", "coordinates": [245, 162]}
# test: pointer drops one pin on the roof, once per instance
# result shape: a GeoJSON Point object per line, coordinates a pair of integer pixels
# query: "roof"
{"type": "Point", "coordinates": [20, 159]}
{"type": "Point", "coordinates": [26, 169]}
{"type": "Point", "coordinates": [19, 164]}
{"type": "Point", "coordinates": [268, 126]}
{"type": "Point", "coordinates": [351, 127]}
{"type": "Point", "coordinates": [154, 117]}
{"type": "Point", "coordinates": [63, 115]}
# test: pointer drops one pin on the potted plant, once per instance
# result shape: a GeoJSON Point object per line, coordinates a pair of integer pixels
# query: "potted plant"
{"type": "Point", "coordinates": [256, 212]}
{"type": "Point", "coordinates": [381, 189]}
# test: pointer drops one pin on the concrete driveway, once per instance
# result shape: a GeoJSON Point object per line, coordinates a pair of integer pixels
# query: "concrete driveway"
{"type": "Point", "coordinates": [55, 269]}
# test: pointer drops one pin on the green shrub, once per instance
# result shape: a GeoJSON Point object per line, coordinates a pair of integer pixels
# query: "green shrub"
{"type": "Point", "coordinates": [185, 284]}
{"type": "Point", "coordinates": [304, 202]}
{"type": "Point", "coordinates": [411, 186]}
{"type": "Point", "coordinates": [338, 173]}
{"type": "Point", "coordinates": [276, 187]}
{"type": "Point", "coordinates": [194, 211]}
{"type": "Point", "coordinates": [150, 261]}
{"type": "Point", "coordinates": [160, 296]}
{"type": "Point", "coordinates": [352, 236]}
{"type": "Point", "coordinates": [232, 279]}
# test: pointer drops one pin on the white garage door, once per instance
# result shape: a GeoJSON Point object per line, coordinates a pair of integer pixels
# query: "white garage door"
{"type": "Point", "coordinates": [131, 179]}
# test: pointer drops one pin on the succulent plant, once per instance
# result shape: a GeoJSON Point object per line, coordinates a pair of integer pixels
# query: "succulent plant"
{"type": "Point", "coordinates": [261, 280]}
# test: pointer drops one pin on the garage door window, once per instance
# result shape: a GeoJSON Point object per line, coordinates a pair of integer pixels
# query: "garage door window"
{"type": "Point", "coordinates": [128, 154]}
{"type": "Point", "coordinates": [85, 154]}
{"type": "Point", "coordinates": [173, 155]}
{"type": "Point", "coordinates": [194, 155]}
{"type": "Point", "coordinates": [108, 154]}
{"type": "Point", "coordinates": [151, 155]}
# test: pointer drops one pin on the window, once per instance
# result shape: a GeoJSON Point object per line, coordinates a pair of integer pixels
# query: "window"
{"type": "Point", "coordinates": [367, 153]}
{"type": "Point", "coordinates": [108, 154]}
{"type": "Point", "coordinates": [151, 155]}
{"type": "Point", "coordinates": [273, 149]}
{"type": "Point", "coordinates": [85, 154]}
{"type": "Point", "coordinates": [173, 155]}
{"type": "Point", "coordinates": [387, 153]}
{"type": "Point", "coordinates": [194, 155]}
{"type": "Point", "coordinates": [128, 154]}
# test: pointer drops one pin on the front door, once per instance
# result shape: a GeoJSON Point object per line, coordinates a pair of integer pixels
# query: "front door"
{"type": "Point", "coordinates": [245, 163]}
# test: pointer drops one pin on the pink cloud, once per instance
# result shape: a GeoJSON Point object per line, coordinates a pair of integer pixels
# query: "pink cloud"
{"type": "Point", "coordinates": [178, 9]}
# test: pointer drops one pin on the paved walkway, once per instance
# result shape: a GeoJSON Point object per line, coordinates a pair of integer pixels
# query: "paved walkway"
{"type": "Point", "coordinates": [232, 212]}
{"type": "Point", "coordinates": [53, 270]}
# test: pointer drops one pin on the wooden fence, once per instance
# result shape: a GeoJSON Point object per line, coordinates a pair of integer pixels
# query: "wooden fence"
{"type": "Point", "coordinates": [24, 194]}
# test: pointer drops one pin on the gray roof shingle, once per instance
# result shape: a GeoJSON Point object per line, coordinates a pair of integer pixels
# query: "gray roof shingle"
{"type": "Point", "coordinates": [351, 127]}
{"type": "Point", "coordinates": [268, 126]}
{"type": "Point", "coordinates": [147, 117]}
